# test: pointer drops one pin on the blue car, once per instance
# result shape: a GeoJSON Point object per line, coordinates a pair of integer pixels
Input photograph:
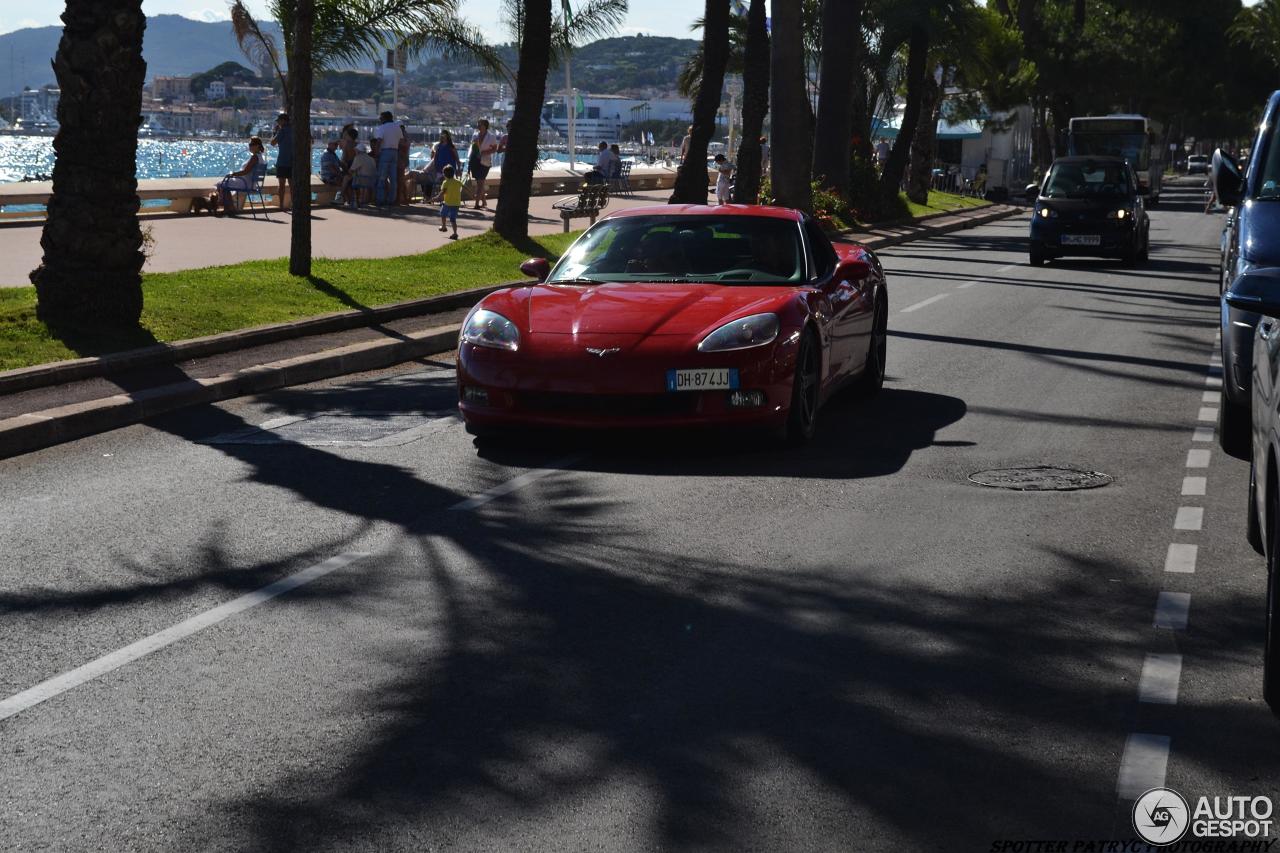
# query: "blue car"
{"type": "Point", "coordinates": [1250, 241]}
{"type": "Point", "coordinates": [1257, 292]}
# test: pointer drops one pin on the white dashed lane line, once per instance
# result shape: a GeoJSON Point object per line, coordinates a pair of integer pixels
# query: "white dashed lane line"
{"type": "Point", "coordinates": [1181, 558]}
{"type": "Point", "coordinates": [1193, 485]}
{"type": "Point", "coordinates": [1202, 434]}
{"type": "Point", "coordinates": [1143, 765]}
{"type": "Point", "coordinates": [1197, 459]}
{"type": "Point", "coordinates": [1189, 518]}
{"type": "Point", "coordinates": [1160, 677]}
{"type": "Point", "coordinates": [1172, 610]}
{"type": "Point", "coordinates": [1207, 414]}
{"type": "Point", "coordinates": [923, 302]}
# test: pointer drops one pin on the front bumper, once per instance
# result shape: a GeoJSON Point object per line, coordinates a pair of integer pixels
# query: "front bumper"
{"type": "Point", "coordinates": [549, 384]}
{"type": "Point", "coordinates": [1116, 237]}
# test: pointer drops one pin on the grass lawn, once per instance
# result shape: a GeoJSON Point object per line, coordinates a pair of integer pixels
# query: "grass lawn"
{"type": "Point", "coordinates": [940, 202]}
{"type": "Point", "coordinates": [194, 303]}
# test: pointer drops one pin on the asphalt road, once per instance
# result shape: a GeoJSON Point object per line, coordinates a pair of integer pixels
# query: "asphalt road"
{"type": "Point", "coordinates": [639, 643]}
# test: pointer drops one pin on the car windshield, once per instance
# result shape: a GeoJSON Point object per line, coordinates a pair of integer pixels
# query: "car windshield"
{"type": "Point", "coordinates": [1087, 180]}
{"type": "Point", "coordinates": [681, 248]}
{"type": "Point", "coordinates": [1269, 180]}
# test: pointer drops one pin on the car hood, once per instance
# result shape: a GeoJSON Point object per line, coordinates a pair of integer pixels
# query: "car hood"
{"type": "Point", "coordinates": [1260, 232]}
{"type": "Point", "coordinates": [644, 309]}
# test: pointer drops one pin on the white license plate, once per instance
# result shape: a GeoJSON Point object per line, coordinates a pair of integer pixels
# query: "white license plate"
{"type": "Point", "coordinates": [1081, 240]}
{"type": "Point", "coordinates": [720, 378]}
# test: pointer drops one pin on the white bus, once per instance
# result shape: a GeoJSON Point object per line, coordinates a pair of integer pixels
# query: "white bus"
{"type": "Point", "coordinates": [1127, 136]}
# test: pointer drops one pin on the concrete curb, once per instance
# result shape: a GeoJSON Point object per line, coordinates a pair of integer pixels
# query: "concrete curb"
{"type": "Point", "coordinates": [28, 432]}
{"type": "Point", "coordinates": [61, 372]}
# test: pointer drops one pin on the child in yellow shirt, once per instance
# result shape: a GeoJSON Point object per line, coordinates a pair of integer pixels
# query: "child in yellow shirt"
{"type": "Point", "coordinates": [451, 196]}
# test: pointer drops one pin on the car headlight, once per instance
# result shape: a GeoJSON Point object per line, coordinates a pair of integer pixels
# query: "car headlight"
{"type": "Point", "coordinates": [1048, 213]}
{"type": "Point", "coordinates": [753, 331]}
{"type": "Point", "coordinates": [486, 328]}
{"type": "Point", "coordinates": [1118, 214]}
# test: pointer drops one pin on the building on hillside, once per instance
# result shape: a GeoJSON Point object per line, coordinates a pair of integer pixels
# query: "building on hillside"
{"type": "Point", "coordinates": [165, 88]}
{"type": "Point", "coordinates": [602, 117]}
{"type": "Point", "coordinates": [477, 96]}
{"type": "Point", "coordinates": [215, 91]}
{"type": "Point", "coordinates": [255, 95]}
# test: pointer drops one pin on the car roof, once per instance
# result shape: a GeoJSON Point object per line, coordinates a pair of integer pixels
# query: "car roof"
{"type": "Point", "coordinates": [759, 210]}
{"type": "Point", "coordinates": [1089, 158]}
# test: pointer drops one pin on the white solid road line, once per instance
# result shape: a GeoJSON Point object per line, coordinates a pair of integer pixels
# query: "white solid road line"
{"type": "Point", "coordinates": [1181, 558]}
{"type": "Point", "coordinates": [1189, 518]}
{"type": "Point", "coordinates": [1160, 677]}
{"type": "Point", "coordinates": [1197, 459]}
{"type": "Point", "coordinates": [1143, 765]}
{"type": "Point", "coordinates": [1172, 609]}
{"type": "Point", "coordinates": [1202, 434]}
{"type": "Point", "coordinates": [108, 662]}
{"type": "Point", "coordinates": [518, 482]}
{"type": "Point", "coordinates": [922, 303]}
{"type": "Point", "coordinates": [1193, 485]}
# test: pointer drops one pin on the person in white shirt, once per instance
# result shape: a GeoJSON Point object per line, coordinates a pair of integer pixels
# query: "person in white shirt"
{"type": "Point", "coordinates": [387, 135]}
{"type": "Point", "coordinates": [607, 162]}
{"type": "Point", "coordinates": [724, 171]}
{"type": "Point", "coordinates": [480, 159]}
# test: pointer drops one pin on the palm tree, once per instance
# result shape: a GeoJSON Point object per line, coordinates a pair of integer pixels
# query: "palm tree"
{"type": "Point", "coordinates": [691, 178]}
{"type": "Point", "coordinates": [917, 62]}
{"type": "Point", "coordinates": [566, 31]}
{"type": "Point", "coordinates": [90, 278]}
{"type": "Point", "coordinates": [755, 104]}
{"type": "Point", "coordinates": [792, 145]}
{"type": "Point", "coordinates": [1258, 27]}
{"type": "Point", "coordinates": [300, 97]}
{"type": "Point", "coordinates": [691, 72]}
{"type": "Point", "coordinates": [511, 219]}
{"type": "Point", "coordinates": [841, 33]}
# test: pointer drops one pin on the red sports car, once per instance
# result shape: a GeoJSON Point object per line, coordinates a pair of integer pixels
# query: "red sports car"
{"type": "Point", "coordinates": [679, 315]}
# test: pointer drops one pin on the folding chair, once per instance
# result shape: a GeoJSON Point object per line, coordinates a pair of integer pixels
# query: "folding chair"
{"type": "Point", "coordinates": [256, 179]}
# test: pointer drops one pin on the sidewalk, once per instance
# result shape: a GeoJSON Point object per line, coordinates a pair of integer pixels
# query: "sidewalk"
{"type": "Point", "coordinates": [191, 242]}
{"type": "Point", "coordinates": [62, 409]}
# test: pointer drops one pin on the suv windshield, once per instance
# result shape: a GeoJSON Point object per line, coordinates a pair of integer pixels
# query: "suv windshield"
{"type": "Point", "coordinates": [661, 249]}
{"type": "Point", "coordinates": [1087, 180]}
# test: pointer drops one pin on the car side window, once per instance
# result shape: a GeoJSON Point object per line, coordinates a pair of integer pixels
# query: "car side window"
{"type": "Point", "coordinates": [821, 256]}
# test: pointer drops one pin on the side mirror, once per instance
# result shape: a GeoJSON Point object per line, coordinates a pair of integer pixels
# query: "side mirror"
{"type": "Point", "coordinates": [851, 270]}
{"type": "Point", "coordinates": [1257, 291]}
{"type": "Point", "coordinates": [1228, 180]}
{"type": "Point", "coordinates": [1031, 193]}
{"type": "Point", "coordinates": [537, 268]}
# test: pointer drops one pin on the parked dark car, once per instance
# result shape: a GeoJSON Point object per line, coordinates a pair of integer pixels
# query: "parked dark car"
{"type": "Point", "coordinates": [1258, 293]}
{"type": "Point", "coordinates": [1197, 164]}
{"type": "Point", "coordinates": [1250, 241]}
{"type": "Point", "coordinates": [1089, 206]}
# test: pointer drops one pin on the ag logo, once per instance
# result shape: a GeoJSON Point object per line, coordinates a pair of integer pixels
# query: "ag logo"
{"type": "Point", "coordinates": [1160, 816]}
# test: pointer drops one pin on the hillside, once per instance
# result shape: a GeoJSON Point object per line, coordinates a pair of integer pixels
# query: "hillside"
{"type": "Point", "coordinates": [607, 66]}
{"type": "Point", "coordinates": [172, 45]}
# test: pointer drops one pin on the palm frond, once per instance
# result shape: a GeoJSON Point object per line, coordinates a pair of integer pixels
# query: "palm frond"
{"type": "Point", "coordinates": [595, 19]}
{"type": "Point", "coordinates": [257, 46]}
{"type": "Point", "coordinates": [451, 37]}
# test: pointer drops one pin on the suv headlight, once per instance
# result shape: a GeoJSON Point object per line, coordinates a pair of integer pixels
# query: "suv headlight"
{"type": "Point", "coordinates": [1118, 214]}
{"type": "Point", "coordinates": [486, 328]}
{"type": "Point", "coordinates": [753, 331]}
{"type": "Point", "coordinates": [1048, 213]}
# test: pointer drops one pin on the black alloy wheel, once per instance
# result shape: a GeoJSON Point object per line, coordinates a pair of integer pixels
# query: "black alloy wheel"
{"type": "Point", "coordinates": [872, 378]}
{"type": "Point", "coordinates": [802, 420]}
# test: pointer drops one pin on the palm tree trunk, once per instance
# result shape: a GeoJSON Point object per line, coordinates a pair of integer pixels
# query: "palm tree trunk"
{"type": "Point", "coordinates": [841, 25]}
{"type": "Point", "coordinates": [924, 142]}
{"type": "Point", "coordinates": [917, 59]}
{"type": "Point", "coordinates": [691, 178]}
{"type": "Point", "coordinates": [755, 105]}
{"type": "Point", "coordinates": [91, 275]}
{"type": "Point", "coordinates": [300, 99]}
{"type": "Point", "coordinates": [511, 219]}
{"type": "Point", "coordinates": [792, 143]}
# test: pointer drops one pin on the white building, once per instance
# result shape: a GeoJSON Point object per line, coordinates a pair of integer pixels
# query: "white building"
{"type": "Point", "coordinates": [602, 117]}
{"type": "Point", "coordinates": [216, 90]}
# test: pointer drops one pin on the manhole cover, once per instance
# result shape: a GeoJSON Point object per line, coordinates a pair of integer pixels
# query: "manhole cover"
{"type": "Point", "coordinates": [1040, 478]}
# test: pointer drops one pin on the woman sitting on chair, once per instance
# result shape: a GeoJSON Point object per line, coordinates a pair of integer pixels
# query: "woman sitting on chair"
{"type": "Point", "coordinates": [241, 181]}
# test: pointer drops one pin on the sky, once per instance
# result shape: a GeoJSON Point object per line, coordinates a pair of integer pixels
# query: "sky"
{"type": "Point", "coordinates": [651, 17]}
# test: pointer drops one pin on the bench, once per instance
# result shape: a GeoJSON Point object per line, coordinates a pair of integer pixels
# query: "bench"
{"type": "Point", "coordinates": [591, 199]}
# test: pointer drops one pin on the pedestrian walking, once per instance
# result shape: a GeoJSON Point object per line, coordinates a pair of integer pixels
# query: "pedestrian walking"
{"type": "Point", "coordinates": [387, 137]}
{"type": "Point", "coordinates": [480, 159]}
{"type": "Point", "coordinates": [450, 198]}
{"type": "Point", "coordinates": [882, 153]}
{"type": "Point", "coordinates": [724, 174]}
{"type": "Point", "coordinates": [282, 139]}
